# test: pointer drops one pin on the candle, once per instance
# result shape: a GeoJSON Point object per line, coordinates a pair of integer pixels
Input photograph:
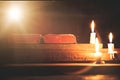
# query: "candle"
{"type": "Point", "coordinates": [97, 52]}
{"type": "Point", "coordinates": [96, 45]}
{"type": "Point", "coordinates": [92, 34]}
{"type": "Point", "coordinates": [110, 44]}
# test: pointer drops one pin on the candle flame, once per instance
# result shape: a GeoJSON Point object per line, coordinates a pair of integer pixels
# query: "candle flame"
{"type": "Point", "coordinates": [110, 37]}
{"type": "Point", "coordinates": [92, 25]}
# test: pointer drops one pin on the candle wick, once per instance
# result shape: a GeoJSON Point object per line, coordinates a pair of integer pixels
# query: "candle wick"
{"type": "Point", "coordinates": [110, 41]}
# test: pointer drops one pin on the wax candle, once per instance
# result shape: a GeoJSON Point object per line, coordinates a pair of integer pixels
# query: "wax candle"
{"type": "Point", "coordinates": [97, 52]}
{"type": "Point", "coordinates": [92, 34]}
{"type": "Point", "coordinates": [110, 44]}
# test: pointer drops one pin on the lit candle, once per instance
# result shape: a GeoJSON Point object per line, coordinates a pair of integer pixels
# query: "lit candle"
{"type": "Point", "coordinates": [110, 44]}
{"type": "Point", "coordinates": [92, 34]}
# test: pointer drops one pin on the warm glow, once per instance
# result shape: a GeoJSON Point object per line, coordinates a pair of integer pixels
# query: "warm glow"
{"type": "Point", "coordinates": [97, 54]}
{"type": "Point", "coordinates": [92, 26]}
{"type": "Point", "coordinates": [110, 37]}
{"type": "Point", "coordinates": [14, 13]}
{"type": "Point", "coordinates": [98, 77]}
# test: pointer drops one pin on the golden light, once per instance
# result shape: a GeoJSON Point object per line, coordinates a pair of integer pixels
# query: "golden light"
{"type": "Point", "coordinates": [97, 77]}
{"type": "Point", "coordinates": [98, 54]}
{"type": "Point", "coordinates": [92, 26]}
{"type": "Point", "coordinates": [110, 37]}
{"type": "Point", "coordinates": [14, 13]}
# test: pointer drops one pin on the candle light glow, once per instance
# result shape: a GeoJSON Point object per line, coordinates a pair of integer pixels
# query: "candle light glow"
{"type": "Point", "coordinates": [110, 37]}
{"type": "Point", "coordinates": [92, 34]}
{"type": "Point", "coordinates": [92, 26]}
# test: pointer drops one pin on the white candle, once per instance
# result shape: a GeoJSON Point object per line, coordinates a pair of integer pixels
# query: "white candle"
{"type": "Point", "coordinates": [92, 34]}
{"type": "Point", "coordinates": [110, 44]}
{"type": "Point", "coordinates": [110, 48]}
{"type": "Point", "coordinates": [92, 37]}
{"type": "Point", "coordinates": [97, 52]}
{"type": "Point", "coordinates": [96, 45]}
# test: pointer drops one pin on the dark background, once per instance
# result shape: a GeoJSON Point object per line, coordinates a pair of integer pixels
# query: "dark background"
{"type": "Point", "coordinates": [70, 16]}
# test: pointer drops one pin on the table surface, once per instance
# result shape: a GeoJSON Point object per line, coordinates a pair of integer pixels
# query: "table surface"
{"type": "Point", "coordinates": [60, 64]}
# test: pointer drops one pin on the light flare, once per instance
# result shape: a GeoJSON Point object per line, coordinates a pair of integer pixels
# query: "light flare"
{"type": "Point", "coordinates": [14, 13]}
